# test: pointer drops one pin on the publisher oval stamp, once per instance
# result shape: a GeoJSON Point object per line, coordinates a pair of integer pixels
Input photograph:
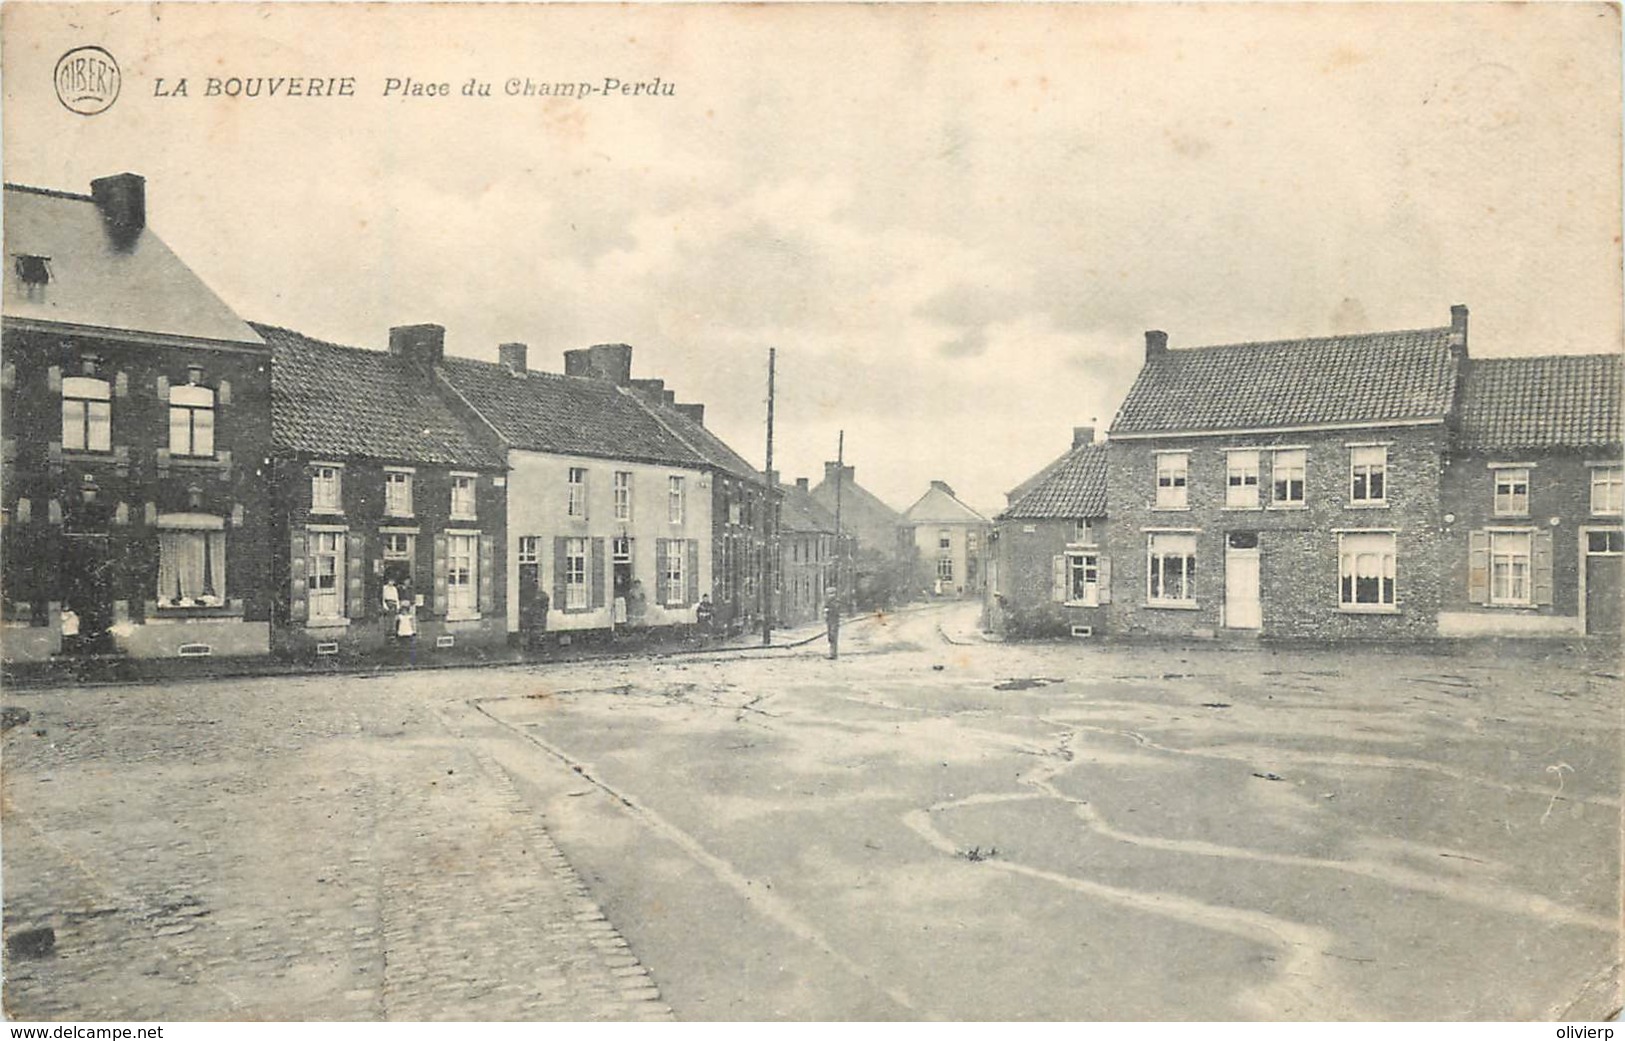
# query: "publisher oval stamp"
{"type": "Point", "coordinates": [87, 80]}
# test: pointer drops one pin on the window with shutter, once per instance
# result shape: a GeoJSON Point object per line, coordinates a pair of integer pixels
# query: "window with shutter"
{"type": "Point", "coordinates": [1543, 568]}
{"type": "Point", "coordinates": [487, 574]}
{"type": "Point", "coordinates": [596, 564]}
{"type": "Point", "coordinates": [1478, 567]}
{"type": "Point", "coordinates": [1105, 580]}
{"type": "Point", "coordinates": [439, 605]}
{"type": "Point", "coordinates": [297, 565]}
{"type": "Point", "coordinates": [1057, 578]}
{"type": "Point", "coordinates": [692, 574]}
{"type": "Point", "coordinates": [357, 567]}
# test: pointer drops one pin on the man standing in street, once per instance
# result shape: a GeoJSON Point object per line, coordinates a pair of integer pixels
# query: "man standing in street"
{"type": "Point", "coordinates": [832, 621]}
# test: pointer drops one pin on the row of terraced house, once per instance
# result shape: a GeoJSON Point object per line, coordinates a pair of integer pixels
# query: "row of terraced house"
{"type": "Point", "coordinates": [1380, 486]}
{"type": "Point", "coordinates": [181, 482]}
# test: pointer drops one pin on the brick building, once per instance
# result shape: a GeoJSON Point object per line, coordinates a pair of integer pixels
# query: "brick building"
{"type": "Point", "coordinates": [1290, 488]}
{"type": "Point", "coordinates": [1049, 573]}
{"type": "Point", "coordinates": [135, 426]}
{"type": "Point", "coordinates": [378, 482]}
{"type": "Point", "coordinates": [808, 551]}
{"type": "Point", "coordinates": [948, 542]}
{"type": "Point", "coordinates": [1532, 499]}
{"type": "Point", "coordinates": [881, 571]}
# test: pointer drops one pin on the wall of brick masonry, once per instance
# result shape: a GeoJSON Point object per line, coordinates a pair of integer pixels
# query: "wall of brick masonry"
{"type": "Point", "coordinates": [1299, 581]}
{"type": "Point", "coordinates": [1026, 551]}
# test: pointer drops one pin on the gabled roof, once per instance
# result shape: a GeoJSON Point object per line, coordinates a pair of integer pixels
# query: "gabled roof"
{"type": "Point", "coordinates": [700, 440]}
{"type": "Point", "coordinates": [1553, 401]}
{"type": "Point", "coordinates": [1074, 486]}
{"type": "Point", "coordinates": [139, 287]}
{"type": "Point", "coordinates": [800, 512]}
{"type": "Point", "coordinates": [1366, 378]}
{"type": "Point", "coordinates": [939, 505]}
{"type": "Point", "coordinates": [864, 516]}
{"type": "Point", "coordinates": [333, 401]}
{"type": "Point", "coordinates": [566, 415]}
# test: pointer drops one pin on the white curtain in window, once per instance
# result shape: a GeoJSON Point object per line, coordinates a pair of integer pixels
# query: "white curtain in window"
{"type": "Point", "coordinates": [169, 553]}
{"type": "Point", "coordinates": [217, 563]}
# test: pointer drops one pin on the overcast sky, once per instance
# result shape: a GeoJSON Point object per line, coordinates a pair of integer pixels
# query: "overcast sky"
{"type": "Point", "coordinates": [954, 223]}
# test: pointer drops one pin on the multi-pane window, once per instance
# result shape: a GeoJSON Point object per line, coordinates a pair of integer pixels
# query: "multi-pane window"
{"type": "Point", "coordinates": [398, 549]}
{"type": "Point", "coordinates": [674, 499]}
{"type": "Point", "coordinates": [575, 504]}
{"type": "Point", "coordinates": [326, 580]}
{"type": "Point", "coordinates": [191, 568]}
{"type": "Point", "coordinates": [1510, 562]}
{"type": "Point", "coordinates": [87, 414]}
{"type": "Point", "coordinates": [1288, 468]}
{"type": "Point", "coordinates": [671, 581]}
{"type": "Point", "coordinates": [529, 550]}
{"type": "Point", "coordinates": [1083, 578]}
{"type": "Point", "coordinates": [1609, 543]}
{"type": "Point", "coordinates": [462, 578]}
{"type": "Point", "coordinates": [1368, 474]}
{"type": "Point", "coordinates": [1173, 471]}
{"type": "Point", "coordinates": [1171, 575]}
{"type": "Point", "coordinates": [191, 420]}
{"type": "Point", "coordinates": [1241, 478]}
{"type": "Point", "coordinates": [462, 497]}
{"type": "Point", "coordinates": [623, 495]}
{"type": "Point", "coordinates": [1607, 490]}
{"type": "Point", "coordinates": [398, 493]}
{"type": "Point", "coordinates": [1512, 492]}
{"type": "Point", "coordinates": [620, 551]}
{"type": "Point", "coordinates": [326, 489]}
{"type": "Point", "coordinates": [945, 556]}
{"type": "Point", "coordinates": [1083, 532]}
{"type": "Point", "coordinates": [575, 574]}
{"type": "Point", "coordinates": [1366, 570]}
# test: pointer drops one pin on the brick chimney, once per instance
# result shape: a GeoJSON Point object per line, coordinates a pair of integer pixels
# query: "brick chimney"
{"type": "Point", "coordinates": [422, 345]}
{"type": "Point", "coordinates": [1458, 330]}
{"type": "Point", "coordinates": [845, 472]}
{"type": "Point", "coordinates": [650, 389]}
{"type": "Point", "coordinates": [1082, 436]}
{"type": "Point", "coordinates": [695, 413]}
{"type": "Point", "coordinates": [668, 397]}
{"type": "Point", "coordinates": [1156, 343]}
{"type": "Point", "coordinates": [604, 361]}
{"type": "Point", "coordinates": [801, 484]}
{"type": "Point", "coordinates": [512, 356]}
{"type": "Point", "coordinates": [122, 200]}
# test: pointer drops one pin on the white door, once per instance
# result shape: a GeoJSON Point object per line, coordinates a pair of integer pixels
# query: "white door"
{"type": "Point", "coordinates": [1241, 608]}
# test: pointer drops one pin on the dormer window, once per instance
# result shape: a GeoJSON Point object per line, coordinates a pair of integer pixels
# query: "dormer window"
{"type": "Point", "coordinates": [87, 415]}
{"type": "Point", "coordinates": [33, 271]}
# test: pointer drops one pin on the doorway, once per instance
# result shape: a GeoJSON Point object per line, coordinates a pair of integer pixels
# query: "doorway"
{"type": "Point", "coordinates": [620, 557]}
{"type": "Point", "coordinates": [1604, 581]}
{"type": "Point", "coordinates": [1242, 609]}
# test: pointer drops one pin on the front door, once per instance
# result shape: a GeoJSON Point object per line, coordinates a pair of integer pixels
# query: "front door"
{"type": "Point", "coordinates": [1605, 569]}
{"type": "Point", "coordinates": [87, 593]}
{"type": "Point", "coordinates": [1241, 606]}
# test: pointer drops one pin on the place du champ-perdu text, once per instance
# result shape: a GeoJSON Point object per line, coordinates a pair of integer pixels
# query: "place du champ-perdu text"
{"type": "Point", "coordinates": [405, 88]}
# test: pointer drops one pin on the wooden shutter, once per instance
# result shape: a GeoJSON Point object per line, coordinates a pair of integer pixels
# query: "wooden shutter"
{"type": "Point", "coordinates": [298, 564]}
{"type": "Point", "coordinates": [441, 547]}
{"type": "Point", "coordinates": [161, 386]}
{"type": "Point", "coordinates": [487, 575]}
{"type": "Point", "coordinates": [559, 600]}
{"type": "Point", "coordinates": [1057, 577]}
{"type": "Point", "coordinates": [691, 572]}
{"type": "Point", "coordinates": [222, 393]}
{"type": "Point", "coordinates": [53, 379]}
{"type": "Point", "coordinates": [355, 571]}
{"type": "Point", "coordinates": [595, 569]}
{"type": "Point", "coordinates": [1478, 567]}
{"type": "Point", "coordinates": [1541, 565]}
{"type": "Point", "coordinates": [1105, 585]}
{"type": "Point", "coordinates": [660, 571]}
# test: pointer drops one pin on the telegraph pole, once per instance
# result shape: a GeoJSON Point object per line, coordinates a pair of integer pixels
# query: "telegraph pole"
{"type": "Point", "coordinates": [769, 543]}
{"type": "Point", "coordinates": [833, 606]}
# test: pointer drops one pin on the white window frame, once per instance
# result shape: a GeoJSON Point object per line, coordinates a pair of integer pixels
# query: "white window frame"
{"type": "Point", "coordinates": [1353, 547]}
{"type": "Point", "coordinates": [195, 401]}
{"type": "Point", "coordinates": [577, 593]}
{"type": "Point", "coordinates": [528, 550]}
{"type": "Point", "coordinates": [91, 398]}
{"type": "Point", "coordinates": [675, 504]}
{"type": "Point", "coordinates": [462, 580]}
{"type": "Point", "coordinates": [575, 484]}
{"type": "Point", "coordinates": [408, 555]}
{"type": "Point", "coordinates": [398, 487]}
{"type": "Point", "coordinates": [1242, 478]}
{"type": "Point", "coordinates": [1284, 469]}
{"type": "Point", "coordinates": [1083, 532]}
{"type": "Point", "coordinates": [1610, 481]}
{"type": "Point", "coordinates": [623, 495]}
{"type": "Point", "coordinates": [465, 496]}
{"type": "Point", "coordinates": [1510, 547]}
{"type": "Point", "coordinates": [327, 488]}
{"type": "Point", "coordinates": [1156, 571]}
{"type": "Point", "coordinates": [1510, 503]}
{"type": "Point", "coordinates": [326, 602]}
{"type": "Point", "coordinates": [213, 535]}
{"type": "Point", "coordinates": [1084, 564]}
{"type": "Point", "coordinates": [1370, 463]}
{"type": "Point", "coordinates": [1173, 481]}
{"type": "Point", "coordinates": [674, 581]}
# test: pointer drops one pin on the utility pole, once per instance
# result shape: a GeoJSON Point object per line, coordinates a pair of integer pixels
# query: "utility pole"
{"type": "Point", "coordinates": [832, 607]}
{"type": "Point", "coordinates": [769, 542]}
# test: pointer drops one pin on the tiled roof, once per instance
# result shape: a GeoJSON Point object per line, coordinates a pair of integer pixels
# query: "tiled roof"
{"type": "Point", "coordinates": [1554, 401]}
{"type": "Point", "coordinates": [938, 506]}
{"type": "Point", "coordinates": [800, 512]}
{"type": "Point", "coordinates": [701, 440]}
{"type": "Point", "coordinates": [1370, 377]}
{"type": "Point", "coordinates": [568, 415]}
{"type": "Point", "coordinates": [335, 401]}
{"type": "Point", "coordinates": [139, 287]}
{"type": "Point", "coordinates": [1074, 486]}
{"type": "Point", "coordinates": [863, 515]}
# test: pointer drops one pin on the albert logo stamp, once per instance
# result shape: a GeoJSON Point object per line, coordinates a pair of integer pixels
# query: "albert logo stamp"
{"type": "Point", "coordinates": [87, 80]}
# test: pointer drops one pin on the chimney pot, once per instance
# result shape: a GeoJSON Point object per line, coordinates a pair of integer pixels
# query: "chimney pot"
{"type": "Point", "coordinates": [1156, 342]}
{"type": "Point", "coordinates": [122, 200]}
{"type": "Point", "coordinates": [513, 358]}
{"type": "Point", "coordinates": [1083, 436]}
{"type": "Point", "coordinates": [1458, 329]}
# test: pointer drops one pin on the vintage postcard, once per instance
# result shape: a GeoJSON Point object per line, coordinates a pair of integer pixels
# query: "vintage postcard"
{"type": "Point", "coordinates": [1088, 512]}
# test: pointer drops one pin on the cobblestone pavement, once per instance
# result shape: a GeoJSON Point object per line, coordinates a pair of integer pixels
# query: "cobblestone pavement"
{"type": "Point", "coordinates": [289, 849]}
